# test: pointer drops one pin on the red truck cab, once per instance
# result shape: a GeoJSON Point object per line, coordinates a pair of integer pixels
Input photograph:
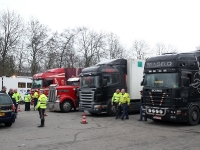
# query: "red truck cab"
{"type": "Point", "coordinates": [64, 98]}
{"type": "Point", "coordinates": [42, 81]}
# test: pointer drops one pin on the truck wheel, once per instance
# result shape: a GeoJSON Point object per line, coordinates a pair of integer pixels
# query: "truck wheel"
{"type": "Point", "coordinates": [8, 124]}
{"type": "Point", "coordinates": [193, 116]}
{"type": "Point", "coordinates": [111, 110]}
{"type": "Point", "coordinates": [66, 106]}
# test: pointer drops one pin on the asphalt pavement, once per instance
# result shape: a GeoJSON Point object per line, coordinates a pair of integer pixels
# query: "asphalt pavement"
{"type": "Point", "coordinates": [64, 131]}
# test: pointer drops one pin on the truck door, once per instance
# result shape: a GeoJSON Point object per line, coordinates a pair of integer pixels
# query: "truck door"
{"type": "Point", "coordinates": [195, 84]}
{"type": "Point", "coordinates": [112, 84]}
{"type": "Point", "coordinates": [188, 91]}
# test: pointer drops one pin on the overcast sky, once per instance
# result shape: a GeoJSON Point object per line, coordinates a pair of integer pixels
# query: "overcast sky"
{"type": "Point", "coordinates": [174, 22]}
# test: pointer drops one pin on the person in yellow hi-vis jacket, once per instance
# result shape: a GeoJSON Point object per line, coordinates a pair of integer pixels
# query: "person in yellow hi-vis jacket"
{"type": "Point", "coordinates": [35, 97]}
{"type": "Point", "coordinates": [41, 106]}
{"type": "Point", "coordinates": [115, 102]}
{"type": "Point", "coordinates": [124, 102]}
{"type": "Point", "coordinates": [27, 99]}
{"type": "Point", "coordinates": [17, 97]}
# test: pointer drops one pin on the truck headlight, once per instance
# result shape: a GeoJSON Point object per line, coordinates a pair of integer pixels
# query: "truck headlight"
{"type": "Point", "coordinates": [153, 111]}
{"type": "Point", "coordinates": [161, 111]}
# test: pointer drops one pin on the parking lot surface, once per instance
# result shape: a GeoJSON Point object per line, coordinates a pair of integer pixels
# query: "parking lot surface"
{"type": "Point", "coordinates": [64, 131]}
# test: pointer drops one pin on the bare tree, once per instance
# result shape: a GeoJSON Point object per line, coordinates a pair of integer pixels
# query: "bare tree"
{"type": "Point", "coordinates": [67, 53]}
{"type": "Point", "coordinates": [140, 49]}
{"type": "Point", "coordinates": [11, 30]}
{"type": "Point", "coordinates": [115, 49]}
{"type": "Point", "coordinates": [37, 35]}
{"type": "Point", "coordinates": [51, 52]}
{"type": "Point", "coordinates": [92, 45]}
{"type": "Point", "coordinates": [161, 49]}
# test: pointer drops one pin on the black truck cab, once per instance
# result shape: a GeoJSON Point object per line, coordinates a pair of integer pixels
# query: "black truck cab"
{"type": "Point", "coordinates": [171, 88]}
{"type": "Point", "coordinates": [98, 83]}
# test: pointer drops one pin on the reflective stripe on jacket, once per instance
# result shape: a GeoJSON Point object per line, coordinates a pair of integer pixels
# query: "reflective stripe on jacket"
{"type": "Point", "coordinates": [116, 97]}
{"type": "Point", "coordinates": [27, 97]}
{"type": "Point", "coordinates": [42, 102]}
{"type": "Point", "coordinates": [125, 98]}
{"type": "Point", "coordinates": [17, 97]}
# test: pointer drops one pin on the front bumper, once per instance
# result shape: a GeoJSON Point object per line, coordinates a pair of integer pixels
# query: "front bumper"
{"type": "Point", "coordinates": [169, 114]}
{"type": "Point", "coordinates": [93, 107]}
{"type": "Point", "coordinates": [54, 106]}
{"type": "Point", "coordinates": [9, 117]}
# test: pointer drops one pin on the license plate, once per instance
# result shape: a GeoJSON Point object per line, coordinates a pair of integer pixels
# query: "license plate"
{"type": "Point", "coordinates": [2, 114]}
{"type": "Point", "coordinates": [157, 117]}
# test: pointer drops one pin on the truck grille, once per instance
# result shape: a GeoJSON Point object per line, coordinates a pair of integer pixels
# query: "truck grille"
{"type": "Point", "coordinates": [157, 99]}
{"type": "Point", "coordinates": [52, 93]}
{"type": "Point", "coordinates": [86, 99]}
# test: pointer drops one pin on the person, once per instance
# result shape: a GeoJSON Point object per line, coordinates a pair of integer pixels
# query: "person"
{"type": "Point", "coordinates": [3, 89]}
{"type": "Point", "coordinates": [141, 100]}
{"type": "Point", "coordinates": [10, 93]}
{"type": "Point", "coordinates": [124, 102]}
{"type": "Point", "coordinates": [35, 97]}
{"type": "Point", "coordinates": [115, 102]}
{"type": "Point", "coordinates": [17, 96]}
{"type": "Point", "coordinates": [41, 106]}
{"type": "Point", "coordinates": [27, 99]}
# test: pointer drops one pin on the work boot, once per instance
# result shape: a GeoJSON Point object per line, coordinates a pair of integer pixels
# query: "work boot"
{"type": "Point", "coordinates": [41, 126]}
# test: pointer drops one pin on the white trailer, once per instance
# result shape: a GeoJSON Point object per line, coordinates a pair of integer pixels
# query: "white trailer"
{"type": "Point", "coordinates": [135, 68]}
{"type": "Point", "coordinates": [21, 83]}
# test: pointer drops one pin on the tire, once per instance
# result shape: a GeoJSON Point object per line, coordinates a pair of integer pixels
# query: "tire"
{"type": "Point", "coordinates": [66, 106]}
{"type": "Point", "coordinates": [193, 116]}
{"type": "Point", "coordinates": [111, 110]}
{"type": "Point", "coordinates": [8, 124]}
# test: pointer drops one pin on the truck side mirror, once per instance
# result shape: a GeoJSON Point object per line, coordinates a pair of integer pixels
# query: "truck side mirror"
{"type": "Point", "coordinates": [142, 83]}
{"type": "Point", "coordinates": [104, 82]}
{"type": "Point", "coordinates": [185, 82]}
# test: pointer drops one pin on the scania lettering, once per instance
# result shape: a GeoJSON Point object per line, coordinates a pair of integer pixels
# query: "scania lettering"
{"type": "Point", "coordinates": [171, 91]}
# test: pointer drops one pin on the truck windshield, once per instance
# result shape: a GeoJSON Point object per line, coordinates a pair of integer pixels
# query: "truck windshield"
{"type": "Point", "coordinates": [37, 83]}
{"type": "Point", "coordinates": [168, 80]}
{"type": "Point", "coordinates": [89, 81]}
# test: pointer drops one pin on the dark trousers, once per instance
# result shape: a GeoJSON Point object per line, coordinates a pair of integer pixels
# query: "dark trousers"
{"type": "Point", "coordinates": [35, 102]}
{"type": "Point", "coordinates": [117, 109]}
{"type": "Point", "coordinates": [125, 111]}
{"type": "Point", "coordinates": [41, 114]}
{"type": "Point", "coordinates": [141, 118]}
{"type": "Point", "coordinates": [27, 106]}
{"type": "Point", "coordinates": [16, 108]}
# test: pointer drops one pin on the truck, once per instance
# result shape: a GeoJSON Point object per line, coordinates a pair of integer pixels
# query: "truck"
{"type": "Point", "coordinates": [59, 78]}
{"type": "Point", "coordinates": [171, 88]}
{"type": "Point", "coordinates": [98, 84]}
{"type": "Point", "coordinates": [64, 98]}
{"type": "Point", "coordinates": [45, 79]}
{"type": "Point", "coordinates": [21, 83]}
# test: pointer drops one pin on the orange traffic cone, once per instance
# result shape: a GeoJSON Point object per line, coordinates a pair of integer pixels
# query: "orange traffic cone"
{"type": "Point", "coordinates": [19, 108]}
{"type": "Point", "coordinates": [84, 119]}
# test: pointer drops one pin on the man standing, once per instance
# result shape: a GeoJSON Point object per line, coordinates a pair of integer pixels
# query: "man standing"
{"type": "Point", "coordinates": [141, 101]}
{"type": "Point", "coordinates": [124, 102]}
{"type": "Point", "coordinates": [115, 102]}
{"type": "Point", "coordinates": [3, 89]}
{"type": "Point", "coordinates": [35, 97]}
{"type": "Point", "coordinates": [17, 97]}
{"type": "Point", "coordinates": [41, 106]}
{"type": "Point", "coordinates": [27, 99]}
